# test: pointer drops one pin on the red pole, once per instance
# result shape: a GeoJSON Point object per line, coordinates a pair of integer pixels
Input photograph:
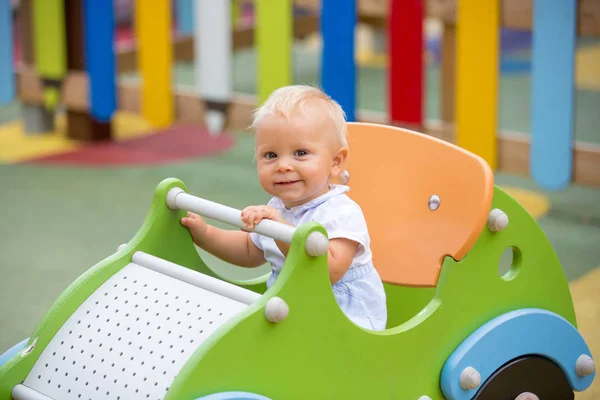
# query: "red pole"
{"type": "Point", "coordinates": [405, 70]}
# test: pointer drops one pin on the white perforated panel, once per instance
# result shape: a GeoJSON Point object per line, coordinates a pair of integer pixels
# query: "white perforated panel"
{"type": "Point", "coordinates": [130, 338]}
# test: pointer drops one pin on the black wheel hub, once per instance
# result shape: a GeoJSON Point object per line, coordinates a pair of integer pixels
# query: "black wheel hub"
{"type": "Point", "coordinates": [532, 374]}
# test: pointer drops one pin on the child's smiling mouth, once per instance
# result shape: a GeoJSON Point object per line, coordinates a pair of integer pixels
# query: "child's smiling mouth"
{"type": "Point", "coordinates": [286, 183]}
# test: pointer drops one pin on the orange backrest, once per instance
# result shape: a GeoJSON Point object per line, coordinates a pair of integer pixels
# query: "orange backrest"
{"type": "Point", "coordinates": [393, 174]}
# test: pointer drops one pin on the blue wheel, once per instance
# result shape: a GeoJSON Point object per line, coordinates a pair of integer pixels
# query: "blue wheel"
{"type": "Point", "coordinates": [509, 340]}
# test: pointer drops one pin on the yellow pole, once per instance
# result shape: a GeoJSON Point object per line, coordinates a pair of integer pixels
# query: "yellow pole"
{"type": "Point", "coordinates": [153, 29]}
{"type": "Point", "coordinates": [477, 70]}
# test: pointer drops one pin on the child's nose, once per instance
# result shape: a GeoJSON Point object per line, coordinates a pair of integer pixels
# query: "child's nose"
{"type": "Point", "coordinates": [284, 166]}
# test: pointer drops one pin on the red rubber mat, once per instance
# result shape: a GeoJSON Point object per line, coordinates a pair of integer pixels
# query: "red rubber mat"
{"type": "Point", "coordinates": [175, 144]}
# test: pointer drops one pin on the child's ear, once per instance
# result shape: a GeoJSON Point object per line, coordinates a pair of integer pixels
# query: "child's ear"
{"type": "Point", "coordinates": [340, 158]}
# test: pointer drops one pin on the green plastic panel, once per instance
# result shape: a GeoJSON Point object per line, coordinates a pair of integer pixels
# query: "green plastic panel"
{"type": "Point", "coordinates": [404, 302]}
{"type": "Point", "coordinates": [316, 352]}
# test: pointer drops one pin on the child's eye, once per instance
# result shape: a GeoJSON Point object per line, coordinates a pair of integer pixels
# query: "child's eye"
{"type": "Point", "coordinates": [270, 155]}
{"type": "Point", "coordinates": [300, 153]}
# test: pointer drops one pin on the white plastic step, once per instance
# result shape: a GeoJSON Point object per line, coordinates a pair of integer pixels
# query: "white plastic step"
{"type": "Point", "coordinates": [132, 336]}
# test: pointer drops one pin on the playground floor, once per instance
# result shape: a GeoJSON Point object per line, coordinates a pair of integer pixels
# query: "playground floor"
{"type": "Point", "coordinates": [58, 219]}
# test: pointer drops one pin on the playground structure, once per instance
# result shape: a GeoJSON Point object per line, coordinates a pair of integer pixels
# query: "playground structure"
{"type": "Point", "coordinates": [469, 100]}
{"type": "Point", "coordinates": [154, 321]}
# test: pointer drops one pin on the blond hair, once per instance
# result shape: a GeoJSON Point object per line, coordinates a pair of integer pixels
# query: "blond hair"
{"type": "Point", "coordinates": [290, 100]}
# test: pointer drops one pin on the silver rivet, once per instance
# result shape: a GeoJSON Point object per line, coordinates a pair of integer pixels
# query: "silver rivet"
{"type": "Point", "coordinates": [584, 366]}
{"type": "Point", "coordinates": [497, 220]}
{"type": "Point", "coordinates": [434, 202]}
{"type": "Point", "coordinates": [470, 378]}
{"type": "Point", "coordinates": [276, 309]}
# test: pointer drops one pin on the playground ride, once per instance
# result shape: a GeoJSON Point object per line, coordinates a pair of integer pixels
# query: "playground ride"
{"type": "Point", "coordinates": [152, 321]}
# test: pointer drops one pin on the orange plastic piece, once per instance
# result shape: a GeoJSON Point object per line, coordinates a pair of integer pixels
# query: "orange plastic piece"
{"type": "Point", "coordinates": [393, 174]}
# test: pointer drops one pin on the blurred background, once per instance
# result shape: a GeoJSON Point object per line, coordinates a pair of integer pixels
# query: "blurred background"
{"type": "Point", "coordinates": [90, 124]}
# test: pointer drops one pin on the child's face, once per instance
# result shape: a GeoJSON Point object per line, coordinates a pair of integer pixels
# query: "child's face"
{"type": "Point", "coordinates": [297, 156]}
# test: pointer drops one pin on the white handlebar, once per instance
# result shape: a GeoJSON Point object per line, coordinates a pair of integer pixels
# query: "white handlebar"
{"type": "Point", "coordinates": [317, 244]}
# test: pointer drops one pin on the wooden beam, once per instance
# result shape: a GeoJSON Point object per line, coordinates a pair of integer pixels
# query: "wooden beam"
{"type": "Point", "coordinates": [183, 47]}
{"type": "Point", "coordinates": [448, 72]}
{"type": "Point", "coordinates": [513, 148]}
{"type": "Point", "coordinates": [516, 14]}
{"type": "Point", "coordinates": [74, 90]}
{"type": "Point", "coordinates": [80, 124]}
{"type": "Point", "coordinates": [25, 15]}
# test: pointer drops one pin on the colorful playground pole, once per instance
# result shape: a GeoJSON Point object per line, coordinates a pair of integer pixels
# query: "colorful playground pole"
{"type": "Point", "coordinates": [236, 12]}
{"type": "Point", "coordinates": [153, 29]}
{"type": "Point", "coordinates": [213, 60]}
{"type": "Point", "coordinates": [405, 72]}
{"type": "Point", "coordinates": [477, 65]}
{"type": "Point", "coordinates": [50, 47]}
{"type": "Point", "coordinates": [274, 37]}
{"type": "Point", "coordinates": [338, 69]}
{"type": "Point", "coordinates": [552, 92]}
{"type": "Point", "coordinates": [35, 117]}
{"type": "Point", "coordinates": [7, 79]}
{"type": "Point", "coordinates": [100, 58]}
{"type": "Point", "coordinates": [184, 10]}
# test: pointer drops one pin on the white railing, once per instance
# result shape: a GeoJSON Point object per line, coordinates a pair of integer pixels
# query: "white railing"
{"type": "Point", "coordinates": [317, 244]}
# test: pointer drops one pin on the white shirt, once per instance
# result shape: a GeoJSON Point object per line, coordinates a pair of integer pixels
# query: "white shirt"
{"type": "Point", "coordinates": [339, 215]}
{"type": "Point", "coordinates": [360, 292]}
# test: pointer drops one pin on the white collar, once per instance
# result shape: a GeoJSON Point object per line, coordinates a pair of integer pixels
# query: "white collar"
{"type": "Point", "coordinates": [335, 190]}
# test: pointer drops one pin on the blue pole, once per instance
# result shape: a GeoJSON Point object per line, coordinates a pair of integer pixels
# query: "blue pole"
{"type": "Point", "coordinates": [100, 59]}
{"type": "Point", "coordinates": [7, 78]}
{"type": "Point", "coordinates": [184, 11]}
{"type": "Point", "coordinates": [338, 69]}
{"type": "Point", "coordinates": [552, 92]}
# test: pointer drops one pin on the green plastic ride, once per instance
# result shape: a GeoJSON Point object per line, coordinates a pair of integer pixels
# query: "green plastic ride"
{"type": "Point", "coordinates": [188, 334]}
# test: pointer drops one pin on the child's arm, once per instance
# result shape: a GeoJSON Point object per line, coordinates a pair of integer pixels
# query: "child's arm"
{"type": "Point", "coordinates": [341, 250]}
{"type": "Point", "coordinates": [341, 253]}
{"type": "Point", "coordinates": [234, 247]}
{"type": "Point", "coordinates": [339, 257]}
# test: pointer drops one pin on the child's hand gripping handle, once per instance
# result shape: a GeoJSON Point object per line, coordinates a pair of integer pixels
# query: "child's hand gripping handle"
{"type": "Point", "coordinates": [317, 244]}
